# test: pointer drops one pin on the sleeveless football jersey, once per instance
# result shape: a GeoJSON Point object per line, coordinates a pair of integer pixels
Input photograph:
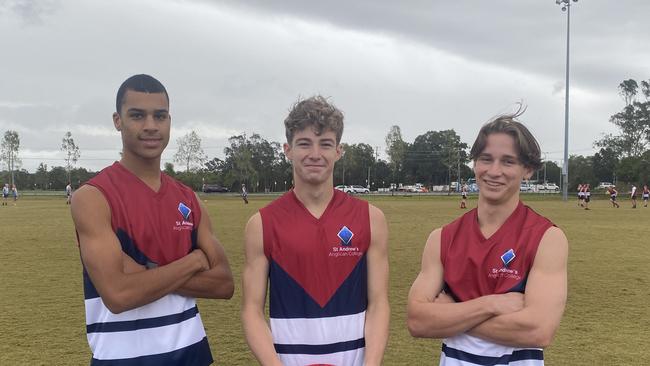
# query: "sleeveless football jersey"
{"type": "Point", "coordinates": [476, 266]}
{"type": "Point", "coordinates": [154, 228]}
{"type": "Point", "coordinates": [318, 279]}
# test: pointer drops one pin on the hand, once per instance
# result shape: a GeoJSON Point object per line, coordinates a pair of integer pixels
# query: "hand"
{"type": "Point", "coordinates": [507, 303]}
{"type": "Point", "coordinates": [201, 258]}
{"type": "Point", "coordinates": [443, 298]}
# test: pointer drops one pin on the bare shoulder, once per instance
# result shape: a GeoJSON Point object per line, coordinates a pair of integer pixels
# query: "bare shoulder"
{"type": "Point", "coordinates": [554, 240]}
{"type": "Point", "coordinates": [254, 222]}
{"type": "Point", "coordinates": [88, 200]}
{"type": "Point", "coordinates": [376, 214]}
{"type": "Point", "coordinates": [432, 246]}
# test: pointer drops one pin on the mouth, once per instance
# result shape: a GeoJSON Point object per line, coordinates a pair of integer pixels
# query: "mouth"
{"type": "Point", "coordinates": [151, 142]}
{"type": "Point", "coordinates": [492, 184]}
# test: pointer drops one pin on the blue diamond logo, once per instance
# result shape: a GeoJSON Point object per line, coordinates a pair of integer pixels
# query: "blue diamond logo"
{"type": "Point", "coordinates": [184, 210]}
{"type": "Point", "coordinates": [507, 257]}
{"type": "Point", "coordinates": [345, 235]}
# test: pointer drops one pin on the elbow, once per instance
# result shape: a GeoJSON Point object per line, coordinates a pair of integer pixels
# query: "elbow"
{"type": "Point", "coordinates": [415, 327]}
{"type": "Point", "coordinates": [542, 338]}
{"type": "Point", "coordinates": [116, 304]}
{"type": "Point", "coordinates": [228, 290]}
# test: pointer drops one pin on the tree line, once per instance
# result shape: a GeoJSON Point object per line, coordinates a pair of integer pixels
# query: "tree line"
{"type": "Point", "coordinates": [432, 158]}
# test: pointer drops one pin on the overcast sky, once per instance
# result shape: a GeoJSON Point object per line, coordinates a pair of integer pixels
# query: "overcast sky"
{"type": "Point", "coordinates": [236, 67]}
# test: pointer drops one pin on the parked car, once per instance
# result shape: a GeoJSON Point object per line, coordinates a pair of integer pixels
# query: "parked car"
{"type": "Point", "coordinates": [551, 187]}
{"type": "Point", "coordinates": [209, 188]}
{"type": "Point", "coordinates": [359, 189]}
{"type": "Point", "coordinates": [604, 185]}
{"type": "Point", "coordinates": [524, 187]}
{"type": "Point", "coordinates": [344, 188]}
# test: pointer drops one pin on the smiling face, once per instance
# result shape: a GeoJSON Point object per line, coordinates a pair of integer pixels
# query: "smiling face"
{"type": "Point", "coordinates": [313, 156]}
{"type": "Point", "coordinates": [144, 122]}
{"type": "Point", "coordinates": [499, 171]}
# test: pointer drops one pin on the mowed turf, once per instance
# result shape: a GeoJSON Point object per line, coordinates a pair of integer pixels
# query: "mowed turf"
{"type": "Point", "coordinates": [607, 320]}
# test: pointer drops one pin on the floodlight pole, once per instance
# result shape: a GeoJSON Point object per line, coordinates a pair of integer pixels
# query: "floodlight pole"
{"type": "Point", "coordinates": [566, 5]}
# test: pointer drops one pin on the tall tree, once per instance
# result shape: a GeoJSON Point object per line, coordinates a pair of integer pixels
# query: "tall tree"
{"type": "Point", "coordinates": [71, 151]}
{"type": "Point", "coordinates": [633, 122]}
{"type": "Point", "coordinates": [396, 151]}
{"type": "Point", "coordinates": [189, 151]}
{"type": "Point", "coordinates": [627, 90]}
{"type": "Point", "coordinates": [9, 152]}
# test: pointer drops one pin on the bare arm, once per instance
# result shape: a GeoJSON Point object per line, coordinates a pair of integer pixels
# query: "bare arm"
{"type": "Point", "coordinates": [429, 318]}
{"type": "Point", "coordinates": [254, 283]}
{"type": "Point", "coordinates": [378, 312]}
{"type": "Point", "coordinates": [545, 299]}
{"type": "Point", "coordinates": [120, 286]}
{"type": "Point", "coordinates": [217, 282]}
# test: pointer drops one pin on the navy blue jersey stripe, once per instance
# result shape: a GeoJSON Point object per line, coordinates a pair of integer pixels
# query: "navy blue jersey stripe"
{"type": "Point", "coordinates": [130, 248]}
{"type": "Point", "coordinates": [90, 292]}
{"type": "Point", "coordinates": [124, 326]}
{"type": "Point", "coordinates": [320, 349]}
{"type": "Point", "coordinates": [288, 299]}
{"type": "Point", "coordinates": [519, 355]}
{"type": "Point", "coordinates": [197, 354]}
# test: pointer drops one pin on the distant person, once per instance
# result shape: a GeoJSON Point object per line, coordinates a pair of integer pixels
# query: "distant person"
{"type": "Point", "coordinates": [463, 196]}
{"type": "Point", "coordinates": [147, 246]}
{"type": "Point", "coordinates": [587, 196]}
{"type": "Point", "coordinates": [14, 193]}
{"type": "Point", "coordinates": [244, 193]}
{"type": "Point", "coordinates": [493, 283]}
{"type": "Point", "coordinates": [5, 194]}
{"type": "Point", "coordinates": [68, 193]}
{"type": "Point", "coordinates": [645, 195]}
{"type": "Point", "coordinates": [633, 196]}
{"type": "Point", "coordinates": [613, 193]}
{"type": "Point", "coordinates": [581, 195]}
{"type": "Point", "coordinates": [323, 255]}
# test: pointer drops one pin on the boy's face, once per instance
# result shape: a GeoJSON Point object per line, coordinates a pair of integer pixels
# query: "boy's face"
{"type": "Point", "coordinates": [313, 156]}
{"type": "Point", "coordinates": [498, 170]}
{"type": "Point", "coordinates": [144, 122]}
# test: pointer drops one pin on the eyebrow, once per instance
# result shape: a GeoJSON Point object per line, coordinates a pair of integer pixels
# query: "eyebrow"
{"type": "Point", "coordinates": [507, 156]}
{"type": "Point", "coordinates": [144, 111]}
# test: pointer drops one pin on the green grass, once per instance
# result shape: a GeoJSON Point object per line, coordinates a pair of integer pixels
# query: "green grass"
{"type": "Point", "coordinates": [607, 320]}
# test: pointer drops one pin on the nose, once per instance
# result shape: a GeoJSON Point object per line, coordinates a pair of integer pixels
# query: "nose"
{"type": "Point", "coordinates": [314, 153]}
{"type": "Point", "coordinates": [494, 169]}
{"type": "Point", "coordinates": [150, 123]}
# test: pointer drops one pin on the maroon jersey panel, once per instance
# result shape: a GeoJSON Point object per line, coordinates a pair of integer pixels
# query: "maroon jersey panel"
{"type": "Point", "coordinates": [159, 225]}
{"type": "Point", "coordinates": [319, 254]}
{"type": "Point", "coordinates": [476, 266]}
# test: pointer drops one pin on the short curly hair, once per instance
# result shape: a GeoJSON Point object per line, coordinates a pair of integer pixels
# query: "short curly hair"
{"type": "Point", "coordinates": [315, 112]}
{"type": "Point", "coordinates": [528, 150]}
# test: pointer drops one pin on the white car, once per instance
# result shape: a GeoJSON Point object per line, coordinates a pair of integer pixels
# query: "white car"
{"type": "Point", "coordinates": [551, 187]}
{"type": "Point", "coordinates": [344, 188]}
{"type": "Point", "coordinates": [359, 189]}
{"type": "Point", "coordinates": [604, 185]}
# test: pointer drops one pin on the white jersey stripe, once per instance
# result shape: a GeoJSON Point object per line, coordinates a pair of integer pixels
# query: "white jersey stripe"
{"type": "Point", "coordinates": [97, 312]}
{"type": "Point", "coordinates": [347, 358]}
{"type": "Point", "coordinates": [317, 331]}
{"type": "Point", "coordinates": [142, 342]}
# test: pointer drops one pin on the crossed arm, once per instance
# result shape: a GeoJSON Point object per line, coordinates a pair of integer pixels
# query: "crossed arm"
{"type": "Point", "coordinates": [511, 319]}
{"type": "Point", "coordinates": [122, 283]}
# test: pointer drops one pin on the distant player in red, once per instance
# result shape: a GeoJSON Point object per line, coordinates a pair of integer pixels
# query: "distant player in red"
{"type": "Point", "coordinates": [587, 195]}
{"type": "Point", "coordinates": [646, 195]}
{"type": "Point", "coordinates": [613, 193]}
{"type": "Point", "coordinates": [463, 195]}
{"type": "Point", "coordinates": [322, 255]}
{"type": "Point", "coordinates": [493, 283]}
{"type": "Point", "coordinates": [581, 195]}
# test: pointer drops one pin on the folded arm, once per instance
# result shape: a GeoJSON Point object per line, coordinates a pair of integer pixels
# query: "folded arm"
{"type": "Point", "coordinates": [544, 300]}
{"type": "Point", "coordinates": [121, 285]}
{"type": "Point", "coordinates": [429, 318]}
{"type": "Point", "coordinates": [217, 282]}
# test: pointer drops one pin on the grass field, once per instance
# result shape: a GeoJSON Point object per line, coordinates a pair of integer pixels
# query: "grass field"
{"type": "Point", "coordinates": [607, 320]}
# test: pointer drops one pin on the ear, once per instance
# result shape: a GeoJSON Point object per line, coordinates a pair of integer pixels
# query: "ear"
{"type": "Point", "coordinates": [287, 150]}
{"type": "Point", "coordinates": [117, 121]}
{"type": "Point", "coordinates": [528, 173]}
{"type": "Point", "coordinates": [339, 152]}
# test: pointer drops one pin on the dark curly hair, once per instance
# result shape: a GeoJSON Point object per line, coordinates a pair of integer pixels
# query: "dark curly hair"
{"type": "Point", "coordinates": [315, 112]}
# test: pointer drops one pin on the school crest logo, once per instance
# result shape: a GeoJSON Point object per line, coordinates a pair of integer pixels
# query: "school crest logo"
{"type": "Point", "coordinates": [508, 257]}
{"type": "Point", "coordinates": [184, 210]}
{"type": "Point", "coordinates": [345, 235]}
